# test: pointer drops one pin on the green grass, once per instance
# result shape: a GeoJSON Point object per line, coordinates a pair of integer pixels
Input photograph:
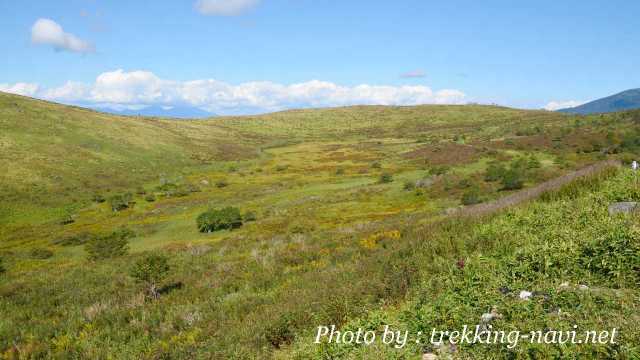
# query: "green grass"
{"type": "Point", "coordinates": [570, 239]}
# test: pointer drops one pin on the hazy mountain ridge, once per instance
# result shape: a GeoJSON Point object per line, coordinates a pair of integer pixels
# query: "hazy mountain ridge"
{"type": "Point", "coordinates": [626, 100]}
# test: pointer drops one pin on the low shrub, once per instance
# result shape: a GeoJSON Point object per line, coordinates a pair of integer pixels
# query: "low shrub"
{"type": "Point", "coordinates": [67, 219]}
{"type": "Point", "coordinates": [533, 163]}
{"type": "Point", "coordinates": [512, 180]}
{"type": "Point", "coordinates": [219, 219]}
{"type": "Point", "coordinates": [439, 170]}
{"type": "Point", "coordinates": [74, 240]}
{"type": "Point", "coordinates": [376, 165]}
{"type": "Point", "coordinates": [150, 198]}
{"type": "Point", "coordinates": [464, 184]}
{"type": "Point", "coordinates": [409, 185]}
{"type": "Point", "coordinates": [221, 183]}
{"type": "Point", "coordinates": [40, 253]}
{"type": "Point", "coordinates": [98, 198]}
{"type": "Point", "coordinates": [281, 332]}
{"type": "Point", "coordinates": [249, 216]}
{"type": "Point", "coordinates": [471, 197]}
{"type": "Point", "coordinates": [121, 201]}
{"type": "Point", "coordinates": [110, 246]}
{"type": "Point", "coordinates": [494, 172]}
{"type": "Point", "coordinates": [151, 270]}
{"type": "Point", "coordinates": [170, 189]}
{"type": "Point", "coordinates": [385, 178]}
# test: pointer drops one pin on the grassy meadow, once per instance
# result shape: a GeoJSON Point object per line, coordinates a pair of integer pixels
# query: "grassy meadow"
{"type": "Point", "coordinates": [344, 221]}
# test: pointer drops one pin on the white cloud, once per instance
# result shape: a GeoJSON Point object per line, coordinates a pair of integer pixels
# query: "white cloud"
{"type": "Point", "coordinates": [48, 32]}
{"type": "Point", "coordinates": [557, 105]}
{"type": "Point", "coordinates": [413, 74]}
{"type": "Point", "coordinates": [225, 7]}
{"type": "Point", "coordinates": [143, 88]}
{"type": "Point", "coordinates": [26, 89]}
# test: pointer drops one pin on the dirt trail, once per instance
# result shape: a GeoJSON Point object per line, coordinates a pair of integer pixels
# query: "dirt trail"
{"type": "Point", "coordinates": [534, 192]}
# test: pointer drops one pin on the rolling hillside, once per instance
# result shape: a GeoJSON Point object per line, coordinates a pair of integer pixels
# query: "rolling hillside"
{"type": "Point", "coordinates": [626, 100]}
{"type": "Point", "coordinates": [344, 215]}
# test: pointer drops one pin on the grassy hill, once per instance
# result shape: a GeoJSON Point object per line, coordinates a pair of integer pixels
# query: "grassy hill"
{"type": "Point", "coordinates": [334, 202]}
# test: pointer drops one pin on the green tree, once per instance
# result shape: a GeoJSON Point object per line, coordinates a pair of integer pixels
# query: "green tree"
{"type": "Point", "coordinates": [150, 271]}
{"type": "Point", "coordinates": [219, 219]}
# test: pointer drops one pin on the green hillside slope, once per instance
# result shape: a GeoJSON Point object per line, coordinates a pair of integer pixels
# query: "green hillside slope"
{"type": "Point", "coordinates": [580, 265]}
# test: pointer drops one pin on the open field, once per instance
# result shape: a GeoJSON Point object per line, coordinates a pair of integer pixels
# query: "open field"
{"type": "Point", "coordinates": [348, 226]}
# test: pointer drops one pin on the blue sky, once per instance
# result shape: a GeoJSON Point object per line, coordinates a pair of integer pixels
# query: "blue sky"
{"type": "Point", "coordinates": [244, 56]}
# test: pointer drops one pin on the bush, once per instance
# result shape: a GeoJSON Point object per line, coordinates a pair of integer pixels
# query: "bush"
{"type": "Point", "coordinates": [98, 198]}
{"type": "Point", "coordinates": [67, 219]}
{"type": "Point", "coordinates": [141, 191]}
{"type": "Point", "coordinates": [221, 183]}
{"type": "Point", "coordinates": [386, 178]}
{"type": "Point", "coordinates": [376, 165]}
{"type": "Point", "coordinates": [533, 163]}
{"type": "Point", "coordinates": [121, 202]}
{"type": "Point", "coordinates": [249, 216]}
{"type": "Point", "coordinates": [74, 240]}
{"type": "Point", "coordinates": [219, 219]}
{"type": "Point", "coordinates": [438, 170]}
{"type": "Point", "coordinates": [340, 171]}
{"type": "Point", "coordinates": [150, 271]}
{"type": "Point", "coordinates": [2, 268]}
{"type": "Point", "coordinates": [150, 198]}
{"type": "Point", "coordinates": [281, 332]}
{"type": "Point", "coordinates": [409, 185]}
{"type": "Point", "coordinates": [464, 184]}
{"type": "Point", "coordinates": [494, 172]}
{"type": "Point", "coordinates": [471, 197]}
{"type": "Point", "coordinates": [170, 189]}
{"type": "Point", "coordinates": [40, 253]}
{"type": "Point", "coordinates": [512, 180]}
{"type": "Point", "coordinates": [111, 246]}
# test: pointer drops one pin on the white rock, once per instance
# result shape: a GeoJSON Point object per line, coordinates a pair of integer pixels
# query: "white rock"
{"type": "Point", "coordinates": [525, 295]}
{"type": "Point", "coordinates": [429, 356]}
{"type": "Point", "coordinates": [583, 287]}
{"type": "Point", "coordinates": [488, 317]}
{"type": "Point", "coordinates": [564, 285]}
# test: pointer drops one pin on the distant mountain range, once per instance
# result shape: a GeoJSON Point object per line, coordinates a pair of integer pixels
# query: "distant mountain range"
{"type": "Point", "coordinates": [626, 100]}
{"type": "Point", "coordinates": [181, 112]}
